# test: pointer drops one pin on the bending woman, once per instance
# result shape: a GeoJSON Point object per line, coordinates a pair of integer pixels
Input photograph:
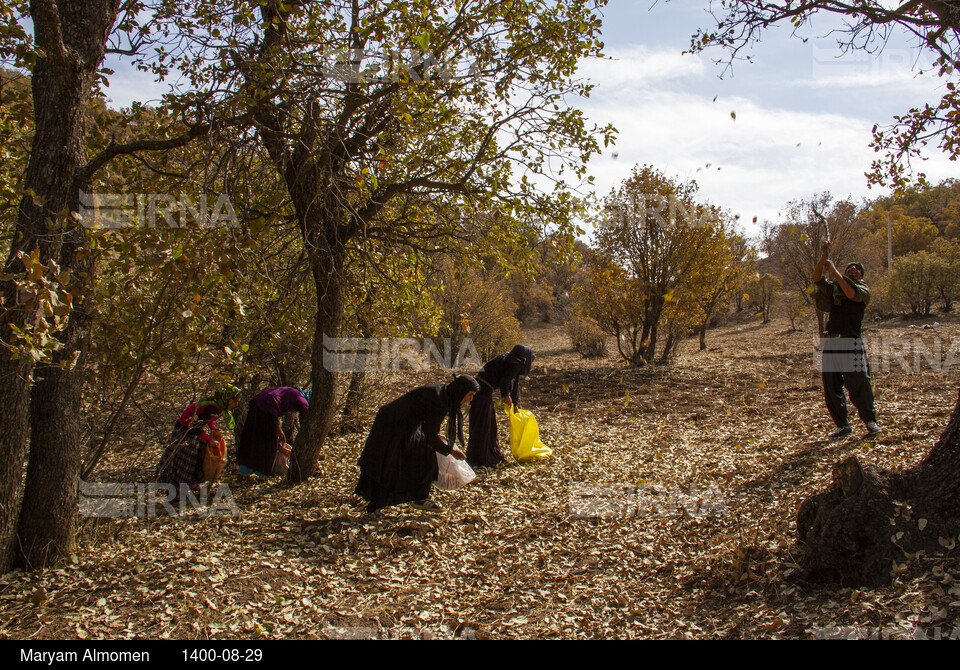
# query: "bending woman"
{"type": "Point", "coordinates": [500, 373]}
{"type": "Point", "coordinates": [399, 460]}
{"type": "Point", "coordinates": [261, 449]}
{"type": "Point", "coordinates": [182, 460]}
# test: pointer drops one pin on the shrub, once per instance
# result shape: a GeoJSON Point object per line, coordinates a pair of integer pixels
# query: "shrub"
{"type": "Point", "coordinates": [479, 308]}
{"type": "Point", "coordinates": [588, 340]}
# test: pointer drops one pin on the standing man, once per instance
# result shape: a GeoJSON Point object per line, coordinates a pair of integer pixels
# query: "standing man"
{"type": "Point", "coordinates": [845, 362]}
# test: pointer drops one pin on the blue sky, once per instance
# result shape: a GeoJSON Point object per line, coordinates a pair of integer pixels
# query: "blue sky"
{"type": "Point", "coordinates": [803, 113]}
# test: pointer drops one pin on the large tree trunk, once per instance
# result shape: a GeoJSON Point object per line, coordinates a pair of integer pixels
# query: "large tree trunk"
{"type": "Point", "coordinates": [13, 435]}
{"type": "Point", "coordinates": [327, 262]}
{"type": "Point", "coordinates": [350, 414]}
{"type": "Point", "coordinates": [71, 38]}
{"type": "Point", "coordinates": [871, 520]}
{"type": "Point", "coordinates": [49, 511]}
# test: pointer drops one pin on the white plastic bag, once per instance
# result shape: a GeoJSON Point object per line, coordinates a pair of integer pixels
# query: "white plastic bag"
{"type": "Point", "coordinates": [281, 460]}
{"type": "Point", "coordinates": [453, 473]}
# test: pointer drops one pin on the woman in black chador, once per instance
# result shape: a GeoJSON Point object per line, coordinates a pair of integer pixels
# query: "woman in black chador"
{"type": "Point", "coordinates": [503, 373]}
{"type": "Point", "coordinates": [399, 460]}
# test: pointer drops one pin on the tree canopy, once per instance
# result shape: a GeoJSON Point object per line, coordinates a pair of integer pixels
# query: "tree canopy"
{"type": "Point", "coordinates": [661, 258]}
{"type": "Point", "coordinates": [369, 122]}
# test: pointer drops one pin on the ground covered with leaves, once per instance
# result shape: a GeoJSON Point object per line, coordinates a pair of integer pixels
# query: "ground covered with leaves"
{"type": "Point", "coordinates": [666, 511]}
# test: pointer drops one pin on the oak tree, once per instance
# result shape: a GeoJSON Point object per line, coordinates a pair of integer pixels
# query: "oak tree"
{"type": "Point", "coordinates": [69, 42]}
{"type": "Point", "coordinates": [446, 106]}
{"type": "Point", "coordinates": [47, 255]}
{"type": "Point", "coordinates": [651, 236]}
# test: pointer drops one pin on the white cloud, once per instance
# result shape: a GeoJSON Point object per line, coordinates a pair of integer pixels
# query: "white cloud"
{"type": "Point", "coordinates": [637, 66]}
{"type": "Point", "coordinates": [774, 151]}
{"type": "Point", "coordinates": [752, 165]}
{"type": "Point", "coordinates": [129, 85]}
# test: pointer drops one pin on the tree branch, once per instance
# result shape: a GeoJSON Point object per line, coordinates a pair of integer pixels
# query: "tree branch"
{"type": "Point", "coordinates": [113, 150]}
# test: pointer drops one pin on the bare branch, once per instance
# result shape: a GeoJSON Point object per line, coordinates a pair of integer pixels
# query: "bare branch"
{"type": "Point", "coordinates": [113, 150]}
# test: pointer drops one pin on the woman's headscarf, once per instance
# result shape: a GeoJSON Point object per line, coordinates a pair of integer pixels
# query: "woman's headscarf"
{"type": "Point", "coordinates": [525, 354]}
{"type": "Point", "coordinates": [456, 390]}
{"type": "Point", "coordinates": [226, 393]}
{"type": "Point", "coordinates": [221, 398]}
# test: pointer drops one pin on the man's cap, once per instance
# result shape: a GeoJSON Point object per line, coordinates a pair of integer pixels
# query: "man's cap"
{"type": "Point", "coordinates": [855, 264]}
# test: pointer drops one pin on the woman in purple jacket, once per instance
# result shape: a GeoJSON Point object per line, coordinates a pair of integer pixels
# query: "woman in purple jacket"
{"type": "Point", "coordinates": [262, 438]}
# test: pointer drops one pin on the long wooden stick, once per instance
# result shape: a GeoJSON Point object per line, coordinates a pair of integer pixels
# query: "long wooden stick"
{"type": "Point", "coordinates": [822, 219]}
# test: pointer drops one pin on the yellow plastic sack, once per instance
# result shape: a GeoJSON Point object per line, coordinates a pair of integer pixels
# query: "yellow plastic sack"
{"type": "Point", "coordinates": [525, 436]}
